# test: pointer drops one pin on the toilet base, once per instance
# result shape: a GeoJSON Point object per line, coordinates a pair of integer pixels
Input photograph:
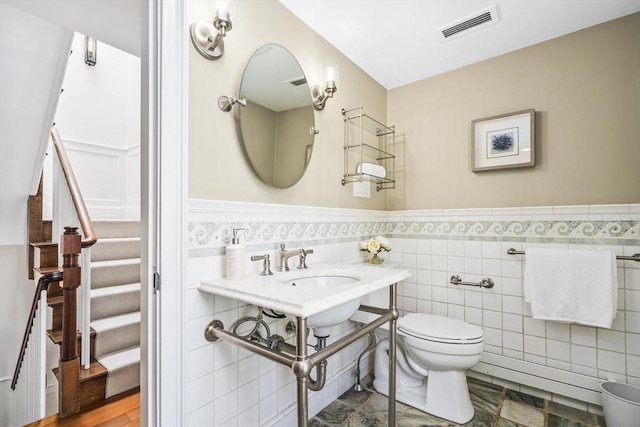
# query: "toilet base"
{"type": "Point", "coordinates": [449, 397]}
{"type": "Point", "coordinates": [444, 394]}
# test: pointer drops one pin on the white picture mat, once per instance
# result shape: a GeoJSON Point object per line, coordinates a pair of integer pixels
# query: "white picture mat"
{"type": "Point", "coordinates": [522, 143]}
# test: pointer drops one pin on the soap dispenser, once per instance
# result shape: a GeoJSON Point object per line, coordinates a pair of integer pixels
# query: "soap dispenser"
{"type": "Point", "coordinates": [235, 257]}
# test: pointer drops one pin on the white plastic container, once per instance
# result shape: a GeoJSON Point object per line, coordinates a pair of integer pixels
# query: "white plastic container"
{"type": "Point", "coordinates": [235, 258]}
{"type": "Point", "coordinates": [621, 403]}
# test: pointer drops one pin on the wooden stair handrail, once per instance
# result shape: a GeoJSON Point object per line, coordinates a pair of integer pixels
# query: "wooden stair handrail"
{"type": "Point", "coordinates": [90, 237]}
{"type": "Point", "coordinates": [43, 285]}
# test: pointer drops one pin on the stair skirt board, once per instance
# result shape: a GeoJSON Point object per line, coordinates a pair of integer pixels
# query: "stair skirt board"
{"type": "Point", "coordinates": [110, 273]}
{"type": "Point", "coordinates": [123, 370]}
{"type": "Point", "coordinates": [115, 300]}
{"type": "Point", "coordinates": [115, 333]}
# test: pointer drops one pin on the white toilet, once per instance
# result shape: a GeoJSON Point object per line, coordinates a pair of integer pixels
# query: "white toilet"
{"type": "Point", "coordinates": [433, 354]}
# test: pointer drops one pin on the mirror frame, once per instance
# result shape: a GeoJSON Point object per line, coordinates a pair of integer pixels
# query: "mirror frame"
{"type": "Point", "coordinates": [277, 125]}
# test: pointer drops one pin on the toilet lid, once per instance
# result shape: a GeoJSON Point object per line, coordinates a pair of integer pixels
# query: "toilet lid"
{"type": "Point", "coordinates": [439, 328]}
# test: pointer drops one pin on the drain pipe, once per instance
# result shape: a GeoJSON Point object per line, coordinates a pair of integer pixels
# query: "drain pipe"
{"type": "Point", "coordinates": [276, 342]}
{"type": "Point", "coordinates": [372, 343]}
{"type": "Point", "coordinates": [321, 368]}
{"type": "Point", "coordinates": [321, 376]}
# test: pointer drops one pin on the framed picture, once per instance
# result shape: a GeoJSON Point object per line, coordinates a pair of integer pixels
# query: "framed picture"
{"type": "Point", "coordinates": [505, 141]}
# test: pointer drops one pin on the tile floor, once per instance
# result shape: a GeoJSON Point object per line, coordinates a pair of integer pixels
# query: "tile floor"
{"type": "Point", "coordinates": [495, 406]}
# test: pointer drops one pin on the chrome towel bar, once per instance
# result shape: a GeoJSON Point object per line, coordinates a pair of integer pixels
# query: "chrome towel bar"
{"type": "Point", "coordinates": [484, 283]}
{"type": "Point", "coordinates": [634, 257]}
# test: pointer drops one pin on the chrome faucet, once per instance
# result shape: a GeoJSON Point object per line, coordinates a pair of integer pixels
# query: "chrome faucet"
{"type": "Point", "coordinates": [266, 264]}
{"type": "Point", "coordinates": [283, 255]}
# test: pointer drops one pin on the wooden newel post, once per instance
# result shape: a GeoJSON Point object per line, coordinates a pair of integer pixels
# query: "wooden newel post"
{"type": "Point", "coordinates": [69, 360]}
{"type": "Point", "coordinates": [71, 247]}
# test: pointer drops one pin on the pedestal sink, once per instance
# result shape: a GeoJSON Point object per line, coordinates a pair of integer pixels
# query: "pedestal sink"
{"type": "Point", "coordinates": [322, 322]}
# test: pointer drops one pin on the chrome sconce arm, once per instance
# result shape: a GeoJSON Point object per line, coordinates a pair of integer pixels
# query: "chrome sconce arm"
{"type": "Point", "coordinates": [320, 96]}
{"type": "Point", "coordinates": [226, 102]}
{"type": "Point", "coordinates": [207, 37]}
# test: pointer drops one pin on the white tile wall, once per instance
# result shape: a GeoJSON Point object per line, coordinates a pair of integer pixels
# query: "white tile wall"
{"type": "Point", "coordinates": [234, 387]}
{"type": "Point", "coordinates": [228, 386]}
{"type": "Point", "coordinates": [506, 318]}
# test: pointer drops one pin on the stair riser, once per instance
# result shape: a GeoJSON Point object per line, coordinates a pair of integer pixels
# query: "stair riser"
{"type": "Point", "coordinates": [54, 300]}
{"type": "Point", "coordinates": [92, 390]}
{"type": "Point", "coordinates": [117, 339]}
{"type": "Point", "coordinates": [106, 229]}
{"type": "Point", "coordinates": [123, 379]}
{"type": "Point", "coordinates": [111, 250]}
{"type": "Point", "coordinates": [93, 384]}
{"type": "Point", "coordinates": [114, 305]}
{"type": "Point", "coordinates": [45, 255]}
{"type": "Point", "coordinates": [114, 275]}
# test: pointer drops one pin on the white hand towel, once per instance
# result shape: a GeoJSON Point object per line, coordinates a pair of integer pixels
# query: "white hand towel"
{"type": "Point", "coordinates": [372, 169]}
{"type": "Point", "coordinates": [577, 286]}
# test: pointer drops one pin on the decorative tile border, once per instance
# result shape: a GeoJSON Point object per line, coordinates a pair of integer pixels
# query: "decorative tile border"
{"type": "Point", "coordinates": [561, 231]}
{"type": "Point", "coordinates": [219, 233]}
{"type": "Point", "coordinates": [267, 225]}
{"type": "Point", "coordinates": [210, 224]}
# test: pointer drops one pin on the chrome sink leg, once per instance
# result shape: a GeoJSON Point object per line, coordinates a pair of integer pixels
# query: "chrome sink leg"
{"type": "Point", "coordinates": [302, 370]}
{"type": "Point", "coordinates": [392, 355]}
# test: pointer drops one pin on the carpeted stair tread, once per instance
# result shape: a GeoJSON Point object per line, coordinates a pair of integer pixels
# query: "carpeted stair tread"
{"type": "Point", "coordinates": [123, 370]}
{"type": "Point", "coordinates": [117, 228]}
{"type": "Point", "coordinates": [116, 248]}
{"type": "Point", "coordinates": [114, 300]}
{"type": "Point", "coordinates": [118, 359]}
{"type": "Point", "coordinates": [117, 332]}
{"type": "Point", "coordinates": [115, 262]}
{"type": "Point", "coordinates": [115, 322]}
{"type": "Point", "coordinates": [114, 290]}
{"type": "Point", "coordinates": [110, 273]}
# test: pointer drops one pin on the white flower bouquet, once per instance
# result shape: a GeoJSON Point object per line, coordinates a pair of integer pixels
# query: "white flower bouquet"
{"type": "Point", "coordinates": [375, 245]}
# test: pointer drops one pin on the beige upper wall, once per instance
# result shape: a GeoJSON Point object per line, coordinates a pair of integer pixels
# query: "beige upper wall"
{"type": "Point", "coordinates": [218, 168]}
{"type": "Point", "coordinates": [585, 88]}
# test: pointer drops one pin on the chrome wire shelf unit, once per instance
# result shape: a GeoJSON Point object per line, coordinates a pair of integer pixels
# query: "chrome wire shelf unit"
{"type": "Point", "coordinates": [368, 140]}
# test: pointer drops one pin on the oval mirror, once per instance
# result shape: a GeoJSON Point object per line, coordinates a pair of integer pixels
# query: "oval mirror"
{"type": "Point", "coordinates": [277, 124]}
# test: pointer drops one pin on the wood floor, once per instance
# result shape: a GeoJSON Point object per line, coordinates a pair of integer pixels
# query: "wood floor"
{"type": "Point", "coordinates": [121, 411]}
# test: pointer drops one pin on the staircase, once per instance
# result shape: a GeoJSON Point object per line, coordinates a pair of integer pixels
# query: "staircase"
{"type": "Point", "coordinates": [113, 250]}
{"type": "Point", "coordinates": [115, 303]}
{"type": "Point", "coordinates": [115, 310]}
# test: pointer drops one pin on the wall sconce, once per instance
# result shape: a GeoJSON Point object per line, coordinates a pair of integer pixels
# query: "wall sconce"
{"type": "Point", "coordinates": [320, 95]}
{"type": "Point", "coordinates": [226, 102]}
{"type": "Point", "coordinates": [90, 51]}
{"type": "Point", "coordinates": [207, 36]}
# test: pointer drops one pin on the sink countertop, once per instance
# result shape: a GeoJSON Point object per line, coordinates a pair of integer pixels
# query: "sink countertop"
{"type": "Point", "coordinates": [270, 291]}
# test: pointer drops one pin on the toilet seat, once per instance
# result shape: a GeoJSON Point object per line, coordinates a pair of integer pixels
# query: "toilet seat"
{"type": "Point", "coordinates": [439, 329]}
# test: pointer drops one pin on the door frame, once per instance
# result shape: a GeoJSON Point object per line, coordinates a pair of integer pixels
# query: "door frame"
{"type": "Point", "coordinates": [163, 211]}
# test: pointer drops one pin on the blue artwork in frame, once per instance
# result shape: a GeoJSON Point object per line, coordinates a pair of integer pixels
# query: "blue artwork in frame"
{"type": "Point", "coordinates": [504, 141]}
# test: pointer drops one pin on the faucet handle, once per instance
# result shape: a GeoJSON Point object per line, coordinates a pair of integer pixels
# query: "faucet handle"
{"type": "Point", "coordinates": [266, 264]}
{"type": "Point", "coordinates": [303, 258]}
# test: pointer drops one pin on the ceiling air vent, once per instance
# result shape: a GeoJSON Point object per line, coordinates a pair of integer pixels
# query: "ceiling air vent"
{"type": "Point", "coordinates": [478, 20]}
{"type": "Point", "coordinates": [297, 81]}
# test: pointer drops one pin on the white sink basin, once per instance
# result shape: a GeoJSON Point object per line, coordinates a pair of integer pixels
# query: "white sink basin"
{"type": "Point", "coordinates": [322, 322]}
{"type": "Point", "coordinates": [320, 281]}
{"type": "Point", "coordinates": [325, 294]}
